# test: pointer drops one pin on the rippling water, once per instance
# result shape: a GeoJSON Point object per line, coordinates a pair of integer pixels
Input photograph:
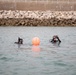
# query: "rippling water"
{"type": "Point", "coordinates": [46, 59]}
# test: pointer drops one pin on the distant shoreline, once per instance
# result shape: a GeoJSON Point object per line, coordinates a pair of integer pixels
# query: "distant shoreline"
{"type": "Point", "coordinates": [37, 18]}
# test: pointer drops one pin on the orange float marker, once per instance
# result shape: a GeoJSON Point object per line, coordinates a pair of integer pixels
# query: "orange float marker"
{"type": "Point", "coordinates": [36, 41]}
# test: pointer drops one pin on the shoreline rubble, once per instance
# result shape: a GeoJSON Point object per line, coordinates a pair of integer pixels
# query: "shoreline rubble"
{"type": "Point", "coordinates": [37, 18]}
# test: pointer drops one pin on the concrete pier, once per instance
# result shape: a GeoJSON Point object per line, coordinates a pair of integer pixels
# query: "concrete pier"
{"type": "Point", "coordinates": [52, 5]}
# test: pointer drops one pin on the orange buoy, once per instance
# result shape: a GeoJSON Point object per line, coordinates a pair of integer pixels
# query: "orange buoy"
{"type": "Point", "coordinates": [36, 41]}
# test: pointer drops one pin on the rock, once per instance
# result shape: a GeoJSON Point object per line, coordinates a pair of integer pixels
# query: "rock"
{"type": "Point", "coordinates": [37, 18]}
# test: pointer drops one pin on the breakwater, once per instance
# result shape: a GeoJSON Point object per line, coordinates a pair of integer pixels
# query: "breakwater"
{"type": "Point", "coordinates": [53, 5]}
{"type": "Point", "coordinates": [37, 18]}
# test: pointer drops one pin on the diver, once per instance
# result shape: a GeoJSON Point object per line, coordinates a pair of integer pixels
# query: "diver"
{"type": "Point", "coordinates": [20, 41]}
{"type": "Point", "coordinates": [55, 39]}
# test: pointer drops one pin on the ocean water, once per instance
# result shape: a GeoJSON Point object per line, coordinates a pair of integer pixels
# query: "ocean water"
{"type": "Point", "coordinates": [45, 59]}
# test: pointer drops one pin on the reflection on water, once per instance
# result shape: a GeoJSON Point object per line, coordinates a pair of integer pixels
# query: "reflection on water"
{"type": "Point", "coordinates": [35, 48]}
{"type": "Point", "coordinates": [45, 59]}
{"type": "Point", "coordinates": [36, 51]}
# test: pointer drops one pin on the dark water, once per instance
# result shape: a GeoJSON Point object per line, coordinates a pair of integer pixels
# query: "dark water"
{"type": "Point", "coordinates": [46, 59]}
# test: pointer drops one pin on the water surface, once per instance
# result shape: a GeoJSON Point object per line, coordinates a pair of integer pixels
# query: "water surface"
{"type": "Point", "coordinates": [45, 59]}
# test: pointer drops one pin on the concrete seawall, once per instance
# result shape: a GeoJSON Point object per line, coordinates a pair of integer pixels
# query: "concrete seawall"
{"type": "Point", "coordinates": [37, 18]}
{"type": "Point", "coordinates": [53, 5]}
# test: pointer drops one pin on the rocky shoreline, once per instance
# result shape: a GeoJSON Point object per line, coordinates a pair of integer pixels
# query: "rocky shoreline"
{"type": "Point", "coordinates": [37, 18]}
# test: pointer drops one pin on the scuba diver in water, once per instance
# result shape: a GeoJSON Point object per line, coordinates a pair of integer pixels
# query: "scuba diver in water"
{"type": "Point", "coordinates": [20, 41]}
{"type": "Point", "coordinates": [56, 39]}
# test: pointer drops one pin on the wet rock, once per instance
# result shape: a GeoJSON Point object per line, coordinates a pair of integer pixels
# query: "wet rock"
{"type": "Point", "coordinates": [37, 18]}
